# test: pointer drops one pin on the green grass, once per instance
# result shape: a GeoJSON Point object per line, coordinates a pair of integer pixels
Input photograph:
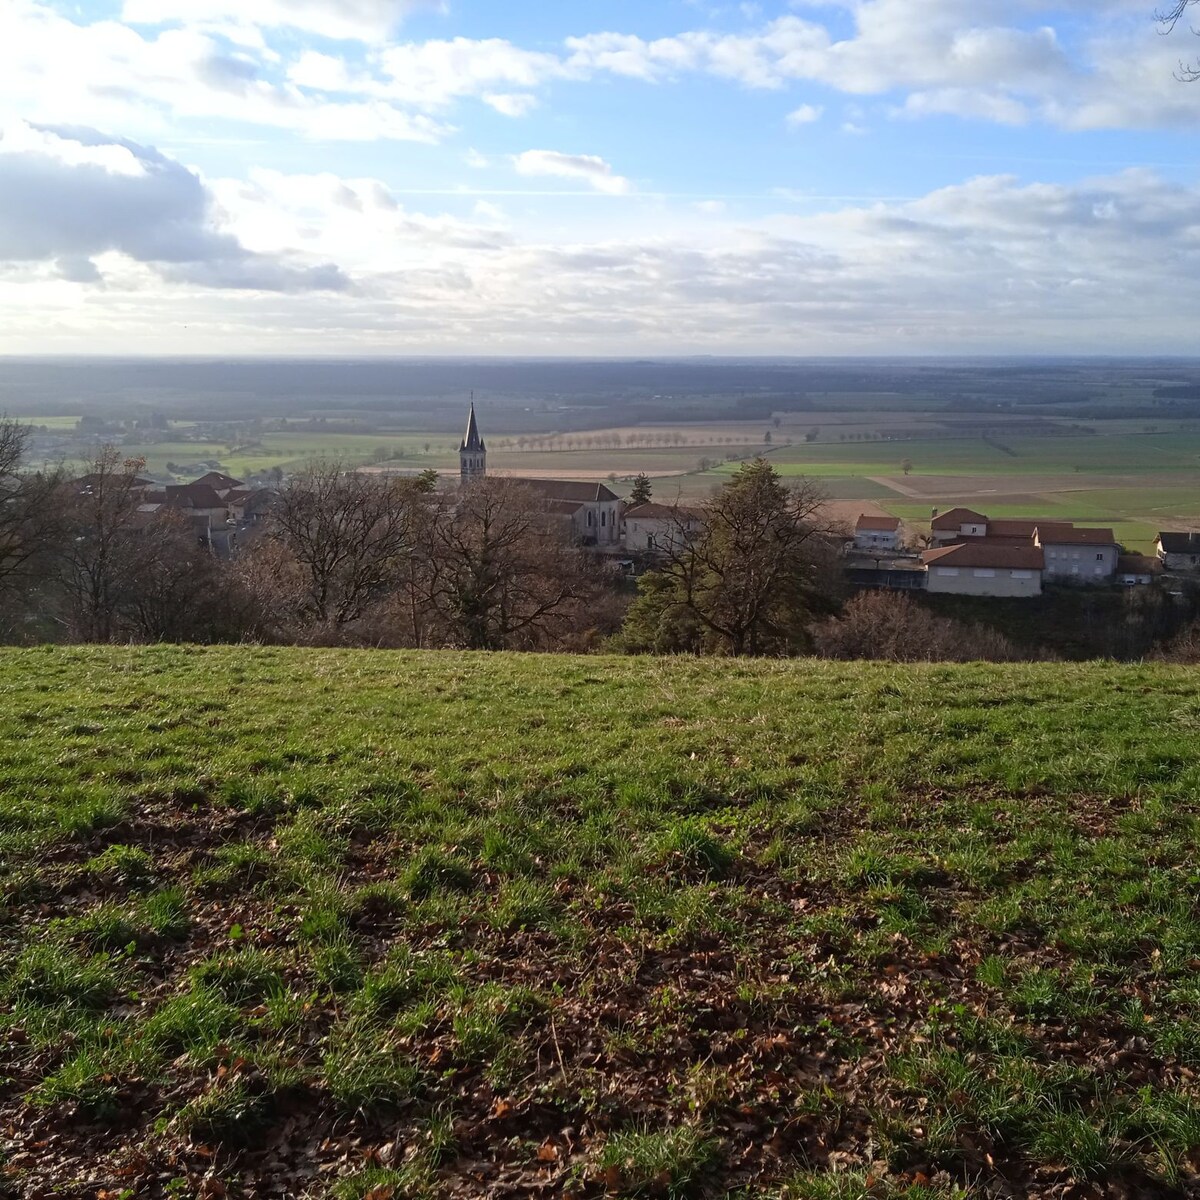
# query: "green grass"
{"type": "Point", "coordinates": [644, 927]}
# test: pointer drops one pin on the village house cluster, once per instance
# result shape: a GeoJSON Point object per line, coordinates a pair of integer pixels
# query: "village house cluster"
{"type": "Point", "coordinates": [216, 506]}
{"type": "Point", "coordinates": [967, 553]}
{"type": "Point", "coordinates": [972, 554]}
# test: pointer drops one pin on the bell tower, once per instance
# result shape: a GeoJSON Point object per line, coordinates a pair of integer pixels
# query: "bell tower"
{"type": "Point", "coordinates": [472, 454]}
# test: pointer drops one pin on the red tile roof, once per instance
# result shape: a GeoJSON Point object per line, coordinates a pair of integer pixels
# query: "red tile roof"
{"type": "Point", "coordinates": [956, 517]}
{"type": "Point", "coordinates": [215, 479]}
{"type": "Point", "coordinates": [568, 489]}
{"type": "Point", "coordinates": [1016, 527]}
{"type": "Point", "coordinates": [865, 522]}
{"type": "Point", "coordinates": [1059, 534]}
{"type": "Point", "coordinates": [983, 553]}
{"type": "Point", "coordinates": [1138, 564]}
{"type": "Point", "coordinates": [193, 495]}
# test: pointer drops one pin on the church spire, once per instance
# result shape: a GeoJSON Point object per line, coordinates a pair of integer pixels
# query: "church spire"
{"type": "Point", "coordinates": [472, 454]}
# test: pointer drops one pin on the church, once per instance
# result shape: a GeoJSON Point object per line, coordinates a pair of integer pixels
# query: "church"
{"type": "Point", "coordinates": [592, 509]}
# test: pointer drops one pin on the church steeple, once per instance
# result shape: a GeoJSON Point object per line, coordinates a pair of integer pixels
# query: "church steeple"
{"type": "Point", "coordinates": [472, 454]}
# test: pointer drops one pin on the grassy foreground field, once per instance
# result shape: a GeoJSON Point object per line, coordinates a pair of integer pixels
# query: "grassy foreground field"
{"type": "Point", "coordinates": [292, 923]}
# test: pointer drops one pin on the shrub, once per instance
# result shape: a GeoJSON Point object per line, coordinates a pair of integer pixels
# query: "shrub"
{"type": "Point", "coordinates": [893, 627]}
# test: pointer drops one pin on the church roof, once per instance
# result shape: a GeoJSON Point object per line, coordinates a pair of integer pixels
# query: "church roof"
{"type": "Point", "coordinates": [569, 489]}
{"type": "Point", "coordinates": [471, 439]}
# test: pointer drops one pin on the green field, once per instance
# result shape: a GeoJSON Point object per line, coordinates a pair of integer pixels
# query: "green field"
{"type": "Point", "coordinates": [1139, 482]}
{"type": "Point", "coordinates": [292, 450]}
{"type": "Point", "coordinates": [336, 924]}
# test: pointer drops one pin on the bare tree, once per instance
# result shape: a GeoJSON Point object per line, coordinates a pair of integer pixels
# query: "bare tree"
{"type": "Point", "coordinates": [30, 511]}
{"type": "Point", "coordinates": [1168, 19]}
{"type": "Point", "coordinates": [499, 574]}
{"type": "Point", "coordinates": [176, 592]}
{"type": "Point", "coordinates": [99, 553]}
{"type": "Point", "coordinates": [350, 533]}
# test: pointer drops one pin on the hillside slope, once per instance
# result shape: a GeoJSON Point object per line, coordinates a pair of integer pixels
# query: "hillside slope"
{"type": "Point", "coordinates": [312, 923]}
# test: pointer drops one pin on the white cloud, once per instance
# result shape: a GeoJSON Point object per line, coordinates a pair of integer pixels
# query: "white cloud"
{"type": "Point", "coordinates": [431, 74]}
{"type": "Point", "coordinates": [55, 71]}
{"type": "Point", "coordinates": [511, 104]}
{"type": "Point", "coordinates": [806, 114]}
{"type": "Point", "coordinates": [587, 167]}
{"type": "Point", "coordinates": [229, 62]}
{"type": "Point", "coordinates": [70, 195]}
{"type": "Point", "coordinates": [989, 265]}
{"type": "Point", "coordinates": [356, 19]}
{"type": "Point", "coordinates": [962, 102]}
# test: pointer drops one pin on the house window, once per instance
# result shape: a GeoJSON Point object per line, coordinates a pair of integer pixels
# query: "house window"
{"type": "Point", "coordinates": [985, 573]}
{"type": "Point", "coordinates": [947, 571]}
{"type": "Point", "coordinates": [1099, 557]}
{"type": "Point", "coordinates": [604, 518]}
{"type": "Point", "coordinates": [1100, 571]}
{"type": "Point", "coordinates": [649, 541]}
{"type": "Point", "coordinates": [1052, 553]}
{"type": "Point", "coordinates": [590, 521]}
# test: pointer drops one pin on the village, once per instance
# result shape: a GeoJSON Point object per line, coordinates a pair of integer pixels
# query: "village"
{"type": "Point", "coordinates": [965, 553]}
{"type": "Point", "coordinates": [968, 553]}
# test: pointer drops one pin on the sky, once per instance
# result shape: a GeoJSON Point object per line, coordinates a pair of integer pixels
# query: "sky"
{"type": "Point", "coordinates": [616, 177]}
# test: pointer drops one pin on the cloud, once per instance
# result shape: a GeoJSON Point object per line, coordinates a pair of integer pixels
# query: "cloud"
{"type": "Point", "coordinates": [53, 70]}
{"type": "Point", "coordinates": [592, 170]}
{"type": "Point", "coordinates": [511, 104]}
{"type": "Point", "coordinates": [351, 19]}
{"type": "Point", "coordinates": [990, 264]}
{"type": "Point", "coordinates": [70, 194]}
{"type": "Point", "coordinates": [1075, 65]}
{"type": "Point", "coordinates": [806, 114]}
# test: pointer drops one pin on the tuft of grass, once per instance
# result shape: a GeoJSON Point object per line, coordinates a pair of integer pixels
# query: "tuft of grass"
{"type": "Point", "coordinates": [370, 1079]}
{"type": "Point", "coordinates": [195, 1021]}
{"type": "Point", "coordinates": [166, 913]}
{"type": "Point", "coordinates": [129, 867]}
{"type": "Point", "coordinates": [432, 871]}
{"type": "Point", "coordinates": [689, 849]}
{"type": "Point", "coordinates": [52, 974]}
{"type": "Point", "coordinates": [676, 1163]}
{"type": "Point", "coordinates": [87, 1081]}
{"type": "Point", "coordinates": [246, 976]}
{"type": "Point", "coordinates": [229, 1114]}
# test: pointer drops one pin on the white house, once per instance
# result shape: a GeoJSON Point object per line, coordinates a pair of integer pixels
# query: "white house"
{"type": "Point", "coordinates": [653, 528]}
{"type": "Point", "coordinates": [957, 524]}
{"type": "Point", "coordinates": [983, 568]}
{"type": "Point", "coordinates": [1078, 555]}
{"type": "Point", "coordinates": [877, 533]}
{"type": "Point", "coordinates": [1179, 551]}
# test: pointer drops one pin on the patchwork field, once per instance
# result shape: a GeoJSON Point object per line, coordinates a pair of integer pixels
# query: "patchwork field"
{"type": "Point", "coordinates": [373, 925]}
{"type": "Point", "coordinates": [1138, 476]}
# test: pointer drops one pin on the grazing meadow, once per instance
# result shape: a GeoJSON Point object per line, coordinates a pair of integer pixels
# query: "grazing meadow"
{"type": "Point", "coordinates": [280, 922]}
